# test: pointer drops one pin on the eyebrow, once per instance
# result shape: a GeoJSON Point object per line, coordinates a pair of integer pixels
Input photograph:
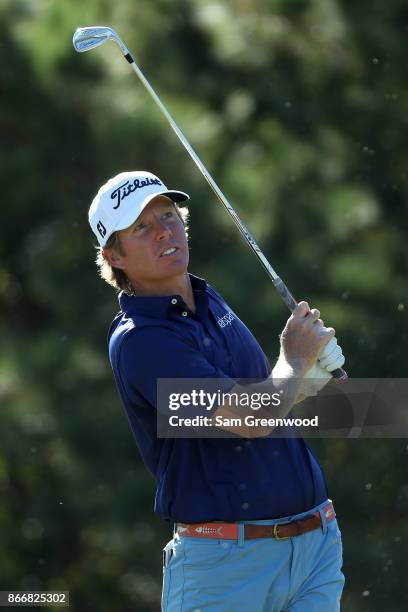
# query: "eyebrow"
{"type": "Point", "coordinates": [139, 220]}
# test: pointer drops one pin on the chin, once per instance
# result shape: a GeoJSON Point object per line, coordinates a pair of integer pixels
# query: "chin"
{"type": "Point", "coordinates": [178, 268]}
{"type": "Point", "coordinates": [177, 263]}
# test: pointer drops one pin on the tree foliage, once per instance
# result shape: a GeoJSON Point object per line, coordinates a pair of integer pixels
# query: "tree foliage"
{"type": "Point", "coordinates": [299, 110]}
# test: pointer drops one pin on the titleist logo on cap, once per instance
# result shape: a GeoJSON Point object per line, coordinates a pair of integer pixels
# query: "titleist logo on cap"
{"type": "Point", "coordinates": [121, 192]}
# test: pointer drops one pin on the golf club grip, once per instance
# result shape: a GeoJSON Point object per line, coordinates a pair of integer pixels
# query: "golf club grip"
{"type": "Point", "coordinates": [339, 374]}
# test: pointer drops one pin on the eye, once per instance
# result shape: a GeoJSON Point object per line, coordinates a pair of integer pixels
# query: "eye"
{"type": "Point", "coordinates": [168, 214]}
{"type": "Point", "coordinates": [139, 227]}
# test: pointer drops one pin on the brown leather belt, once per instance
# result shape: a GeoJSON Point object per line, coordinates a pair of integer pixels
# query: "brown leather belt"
{"type": "Point", "coordinates": [283, 531]}
{"type": "Point", "coordinates": [278, 531]}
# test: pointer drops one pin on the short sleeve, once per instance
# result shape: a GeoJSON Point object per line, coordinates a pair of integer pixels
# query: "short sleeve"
{"type": "Point", "coordinates": [152, 353]}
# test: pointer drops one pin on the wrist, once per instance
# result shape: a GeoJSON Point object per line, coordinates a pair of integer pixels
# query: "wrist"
{"type": "Point", "coordinates": [295, 367]}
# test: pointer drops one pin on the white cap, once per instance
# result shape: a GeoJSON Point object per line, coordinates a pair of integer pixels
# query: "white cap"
{"type": "Point", "coordinates": [121, 200]}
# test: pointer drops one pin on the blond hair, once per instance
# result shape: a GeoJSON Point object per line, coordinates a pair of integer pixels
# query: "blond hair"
{"type": "Point", "coordinates": [116, 277]}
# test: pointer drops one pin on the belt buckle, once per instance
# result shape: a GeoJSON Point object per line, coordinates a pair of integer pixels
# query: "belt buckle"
{"type": "Point", "coordinates": [275, 532]}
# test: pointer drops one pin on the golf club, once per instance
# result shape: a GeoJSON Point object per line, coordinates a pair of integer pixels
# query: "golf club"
{"type": "Point", "coordinates": [88, 38]}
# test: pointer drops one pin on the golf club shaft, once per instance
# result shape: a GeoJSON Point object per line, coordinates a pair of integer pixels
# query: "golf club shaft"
{"type": "Point", "coordinates": [280, 286]}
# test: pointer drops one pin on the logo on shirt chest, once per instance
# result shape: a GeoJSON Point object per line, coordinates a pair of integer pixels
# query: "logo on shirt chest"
{"type": "Point", "coordinates": [226, 319]}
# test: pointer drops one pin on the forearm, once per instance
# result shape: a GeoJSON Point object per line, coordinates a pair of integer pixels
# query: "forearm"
{"type": "Point", "coordinates": [283, 385]}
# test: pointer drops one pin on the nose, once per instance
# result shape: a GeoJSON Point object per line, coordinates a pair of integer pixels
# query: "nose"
{"type": "Point", "coordinates": [162, 230]}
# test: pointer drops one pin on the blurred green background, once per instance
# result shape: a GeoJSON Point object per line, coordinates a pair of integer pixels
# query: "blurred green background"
{"type": "Point", "coordinates": [299, 108]}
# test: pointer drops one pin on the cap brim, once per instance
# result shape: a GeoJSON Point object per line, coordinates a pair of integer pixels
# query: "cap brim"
{"type": "Point", "coordinates": [127, 220]}
{"type": "Point", "coordinates": [176, 196]}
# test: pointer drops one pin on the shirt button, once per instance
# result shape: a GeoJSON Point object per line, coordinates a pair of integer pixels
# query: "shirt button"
{"type": "Point", "coordinates": [184, 313]}
{"type": "Point", "coordinates": [174, 301]}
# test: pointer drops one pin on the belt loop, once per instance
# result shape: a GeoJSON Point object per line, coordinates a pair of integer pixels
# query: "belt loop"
{"type": "Point", "coordinates": [323, 517]}
{"type": "Point", "coordinates": [241, 534]}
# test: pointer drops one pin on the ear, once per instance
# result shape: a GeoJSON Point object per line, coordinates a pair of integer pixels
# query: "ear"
{"type": "Point", "coordinates": [113, 258]}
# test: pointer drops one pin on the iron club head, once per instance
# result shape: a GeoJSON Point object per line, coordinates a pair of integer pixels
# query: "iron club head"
{"type": "Point", "coordinates": [85, 39]}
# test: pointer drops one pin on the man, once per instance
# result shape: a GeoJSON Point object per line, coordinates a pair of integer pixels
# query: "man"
{"type": "Point", "coordinates": [253, 526]}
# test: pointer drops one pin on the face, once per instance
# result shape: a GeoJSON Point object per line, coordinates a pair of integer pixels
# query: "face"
{"type": "Point", "coordinates": [155, 248]}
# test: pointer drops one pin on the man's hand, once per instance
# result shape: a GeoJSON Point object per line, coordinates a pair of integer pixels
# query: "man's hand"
{"type": "Point", "coordinates": [332, 356]}
{"type": "Point", "coordinates": [304, 338]}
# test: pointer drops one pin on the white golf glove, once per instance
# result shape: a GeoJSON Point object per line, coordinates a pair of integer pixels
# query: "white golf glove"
{"type": "Point", "coordinates": [319, 375]}
{"type": "Point", "coordinates": [332, 356]}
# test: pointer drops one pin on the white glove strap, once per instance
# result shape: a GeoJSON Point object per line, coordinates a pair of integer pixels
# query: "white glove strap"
{"type": "Point", "coordinates": [318, 378]}
{"type": "Point", "coordinates": [317, 372]}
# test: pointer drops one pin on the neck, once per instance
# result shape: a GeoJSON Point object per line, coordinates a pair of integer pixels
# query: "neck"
{"type": "Point", "coordinates": [180, 285]}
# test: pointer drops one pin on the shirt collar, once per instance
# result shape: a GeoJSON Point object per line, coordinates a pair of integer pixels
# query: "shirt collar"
{"type": "Point", "coordinates": [155, 306]}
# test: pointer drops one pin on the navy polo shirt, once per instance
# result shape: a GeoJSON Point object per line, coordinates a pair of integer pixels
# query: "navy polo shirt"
{"type": "Point", "coordinates": [203, 479]}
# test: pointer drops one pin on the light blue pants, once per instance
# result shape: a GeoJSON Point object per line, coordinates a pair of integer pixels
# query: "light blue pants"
{"type": "Point", "coordinates": [301, 574]}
